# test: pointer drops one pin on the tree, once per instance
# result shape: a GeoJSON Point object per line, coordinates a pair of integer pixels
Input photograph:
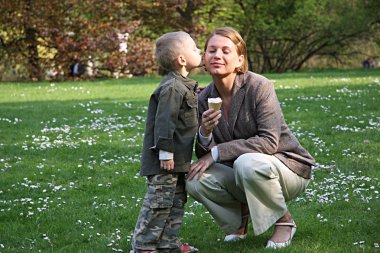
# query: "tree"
{"type": "Point", "coordinates": [36, 35]}
{"type": "Point", "coordinates": [19, 25]}
{"type": "Point", "coordinates": [281, 35]}
{"type": "Point", "coordinates": [157, 17]}
{"type": "Point", "coordinates": [160, 16]}
{"type": "Point", "coordinates": [284, 34]}
{"type": "Point", "coordinates": [92, 34]}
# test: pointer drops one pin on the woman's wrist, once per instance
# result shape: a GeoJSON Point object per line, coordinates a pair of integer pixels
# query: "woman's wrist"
{"type": "Point", "coordinates": [203, 139]}
{"type": "Point", "coordinates": [204, 135]}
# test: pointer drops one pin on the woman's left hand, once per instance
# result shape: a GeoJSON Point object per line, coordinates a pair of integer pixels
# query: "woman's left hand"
{"type": "Point", "coordinates": [200, 166]}
{"type": "Point", "coordinates": [210, 119]}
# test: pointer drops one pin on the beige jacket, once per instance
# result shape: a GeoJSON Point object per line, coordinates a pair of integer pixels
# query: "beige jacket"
{"type": "Point", "coordinates": [255, 124]}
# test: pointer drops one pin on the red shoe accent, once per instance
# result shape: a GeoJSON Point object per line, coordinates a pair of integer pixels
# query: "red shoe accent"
{"type": "Point", "coordinates": [186, 248]}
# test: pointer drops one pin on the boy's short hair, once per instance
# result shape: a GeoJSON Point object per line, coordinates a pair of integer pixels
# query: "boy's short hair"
{"type": "Point", "coordinates": [168, 47]}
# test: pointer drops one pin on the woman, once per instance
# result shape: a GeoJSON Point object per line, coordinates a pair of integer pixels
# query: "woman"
{"type": "Point", "coordinates": [250, 164]}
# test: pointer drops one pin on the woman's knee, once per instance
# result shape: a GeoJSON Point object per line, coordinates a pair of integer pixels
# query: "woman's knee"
{"type": "Point", "coordinates": [192, 186]}
{"type": "Point", "coordinates": [216, 178]}
{"type": "Point", "coordinates": [198, 188]}
{"type": "Point", "coordinates": [241, 162]}
{"type": "Point", "coordinates": [250, 164]}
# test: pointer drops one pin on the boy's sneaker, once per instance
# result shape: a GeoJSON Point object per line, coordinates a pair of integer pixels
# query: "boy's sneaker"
{"type": "Point", "coordinates": [184, 248]}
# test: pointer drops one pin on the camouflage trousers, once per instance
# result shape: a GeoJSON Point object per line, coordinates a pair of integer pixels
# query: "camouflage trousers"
{"type": "Point", "coordinates": [161, 214]}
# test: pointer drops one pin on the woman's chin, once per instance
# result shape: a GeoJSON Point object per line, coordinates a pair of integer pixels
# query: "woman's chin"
{"type": "Point", "coordinates": [215, 72]}
{"type": "Point", "coordinates": [219, 74]}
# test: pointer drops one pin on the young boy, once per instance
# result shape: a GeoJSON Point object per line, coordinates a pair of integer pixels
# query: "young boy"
{"type": "Point", "coordinates": [171, 125]}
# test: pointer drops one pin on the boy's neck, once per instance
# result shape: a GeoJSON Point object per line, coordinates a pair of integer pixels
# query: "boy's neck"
{"type": "Point", "coordinates": [183, 71]}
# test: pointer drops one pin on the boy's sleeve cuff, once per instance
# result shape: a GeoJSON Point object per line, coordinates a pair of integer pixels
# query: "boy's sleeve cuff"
{"type": "Point", "coordinates": [165, 155]}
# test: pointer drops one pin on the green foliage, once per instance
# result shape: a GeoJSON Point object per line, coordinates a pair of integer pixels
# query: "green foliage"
{"type": "Point", "coordinates": [69, 162]}
{"type": "Point", "coordinates": [50, 36]}
{"type": "Point", "coordinates": [284, 34]}
{"type": "Point", "coordinates": [38, 36]}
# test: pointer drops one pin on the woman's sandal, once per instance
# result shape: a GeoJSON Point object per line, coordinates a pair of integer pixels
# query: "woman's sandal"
{"type": "Point", "coordinates": [236, 236]}
{"type": "Point", "coordinates": [276, 245]}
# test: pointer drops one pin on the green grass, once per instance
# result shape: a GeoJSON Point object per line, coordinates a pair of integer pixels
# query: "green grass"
{"type": "Point", "coordinates": [69, 162]}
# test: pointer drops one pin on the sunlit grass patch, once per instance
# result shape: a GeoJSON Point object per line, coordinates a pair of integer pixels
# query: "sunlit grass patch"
{"type": "Point", "coordinates": [70, 152]}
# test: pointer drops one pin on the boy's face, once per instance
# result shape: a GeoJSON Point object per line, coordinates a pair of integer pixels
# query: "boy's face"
{"type": "Point", "coordinates": [192, 53]}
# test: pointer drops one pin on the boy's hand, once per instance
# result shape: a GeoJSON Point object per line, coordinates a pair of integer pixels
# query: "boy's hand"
{"type": "Point", "coordinates": [167, 165]}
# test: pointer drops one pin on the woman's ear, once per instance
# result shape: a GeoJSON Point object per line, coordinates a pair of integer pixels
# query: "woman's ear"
{"type": "Point", "coordinates": [241, 60]}
{"type": "Point", "coordinates": [238, 68]}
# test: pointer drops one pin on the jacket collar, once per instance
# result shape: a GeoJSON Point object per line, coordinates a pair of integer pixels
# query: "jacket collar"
{"type": "Point", "coordinates": [238, 95]}
{"type": "Point", "coordinates": [189, 83]}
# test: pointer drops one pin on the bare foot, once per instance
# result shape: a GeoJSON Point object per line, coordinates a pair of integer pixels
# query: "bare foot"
{"type": "Point", "coordinates": [282, 233]}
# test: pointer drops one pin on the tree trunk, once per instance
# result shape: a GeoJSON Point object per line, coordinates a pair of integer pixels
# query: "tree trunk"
{"type": "Point", "coordinates": [33, 67]}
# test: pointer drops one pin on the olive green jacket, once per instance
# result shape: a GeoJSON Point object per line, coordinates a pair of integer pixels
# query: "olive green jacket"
{"type": "Point", "coordinates": [255, 125]}
{"type": "Point", "coordinates": [171, 124]}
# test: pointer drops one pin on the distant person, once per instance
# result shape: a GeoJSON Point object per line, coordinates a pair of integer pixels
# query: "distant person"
{"type": "Point", "coordinates": [77, 69]}
{"type": "Point", "coordinates": [171, 125]}
{"type": "Point", "coordinates": [368, 63]}
{"type": "Point", "coordinates": [249, 162]}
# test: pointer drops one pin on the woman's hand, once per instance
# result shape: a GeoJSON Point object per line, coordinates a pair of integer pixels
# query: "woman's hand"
{"type": "Point", "coordinates": [200, 166]}
{"type": "Point", "coordinates": [210, 119]}
{"type": "Point", "coordinates": [167, 165]}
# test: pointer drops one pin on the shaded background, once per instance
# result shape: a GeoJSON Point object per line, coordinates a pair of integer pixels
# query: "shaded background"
{"type": "Point", "coordinates": [44, 39]}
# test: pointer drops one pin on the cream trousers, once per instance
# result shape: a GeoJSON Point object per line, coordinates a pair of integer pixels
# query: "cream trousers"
{"type": "Point", "coordinates": [262, 181]}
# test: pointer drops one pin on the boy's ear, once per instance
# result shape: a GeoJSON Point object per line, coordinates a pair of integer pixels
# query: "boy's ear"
{"type": "Point", "coordinates": [181, 60]}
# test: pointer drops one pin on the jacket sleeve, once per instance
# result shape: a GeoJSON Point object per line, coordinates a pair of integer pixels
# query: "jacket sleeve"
{"type": "Point", "coordinates": [201, 150]}
{"type": "Point", "coordinates": [166, 118]}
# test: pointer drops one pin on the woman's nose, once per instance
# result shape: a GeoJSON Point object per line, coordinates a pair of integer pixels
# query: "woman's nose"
{"type": "Point", "coordinates": [218, 53]}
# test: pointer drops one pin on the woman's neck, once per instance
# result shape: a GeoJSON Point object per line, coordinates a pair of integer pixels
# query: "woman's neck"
{"type": "Point", "coordinates": [224, 84]}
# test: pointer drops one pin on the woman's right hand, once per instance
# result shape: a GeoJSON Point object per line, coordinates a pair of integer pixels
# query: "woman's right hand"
{"type": "Point", "coordinates": [210, 119]}
{"type": "Point", "coordinates": [200, 166]}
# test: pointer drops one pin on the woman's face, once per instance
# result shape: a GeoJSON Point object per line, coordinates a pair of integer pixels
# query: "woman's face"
{"type": "Point", "coordinates": [221, 57]}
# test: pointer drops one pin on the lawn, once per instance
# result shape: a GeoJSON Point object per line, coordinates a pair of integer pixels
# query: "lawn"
{"type": "Point", "coordinates": [70, 151]}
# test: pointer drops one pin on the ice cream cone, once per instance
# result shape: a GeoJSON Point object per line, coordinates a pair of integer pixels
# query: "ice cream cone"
{"type": "Point", "coordinates": [214, 103]}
